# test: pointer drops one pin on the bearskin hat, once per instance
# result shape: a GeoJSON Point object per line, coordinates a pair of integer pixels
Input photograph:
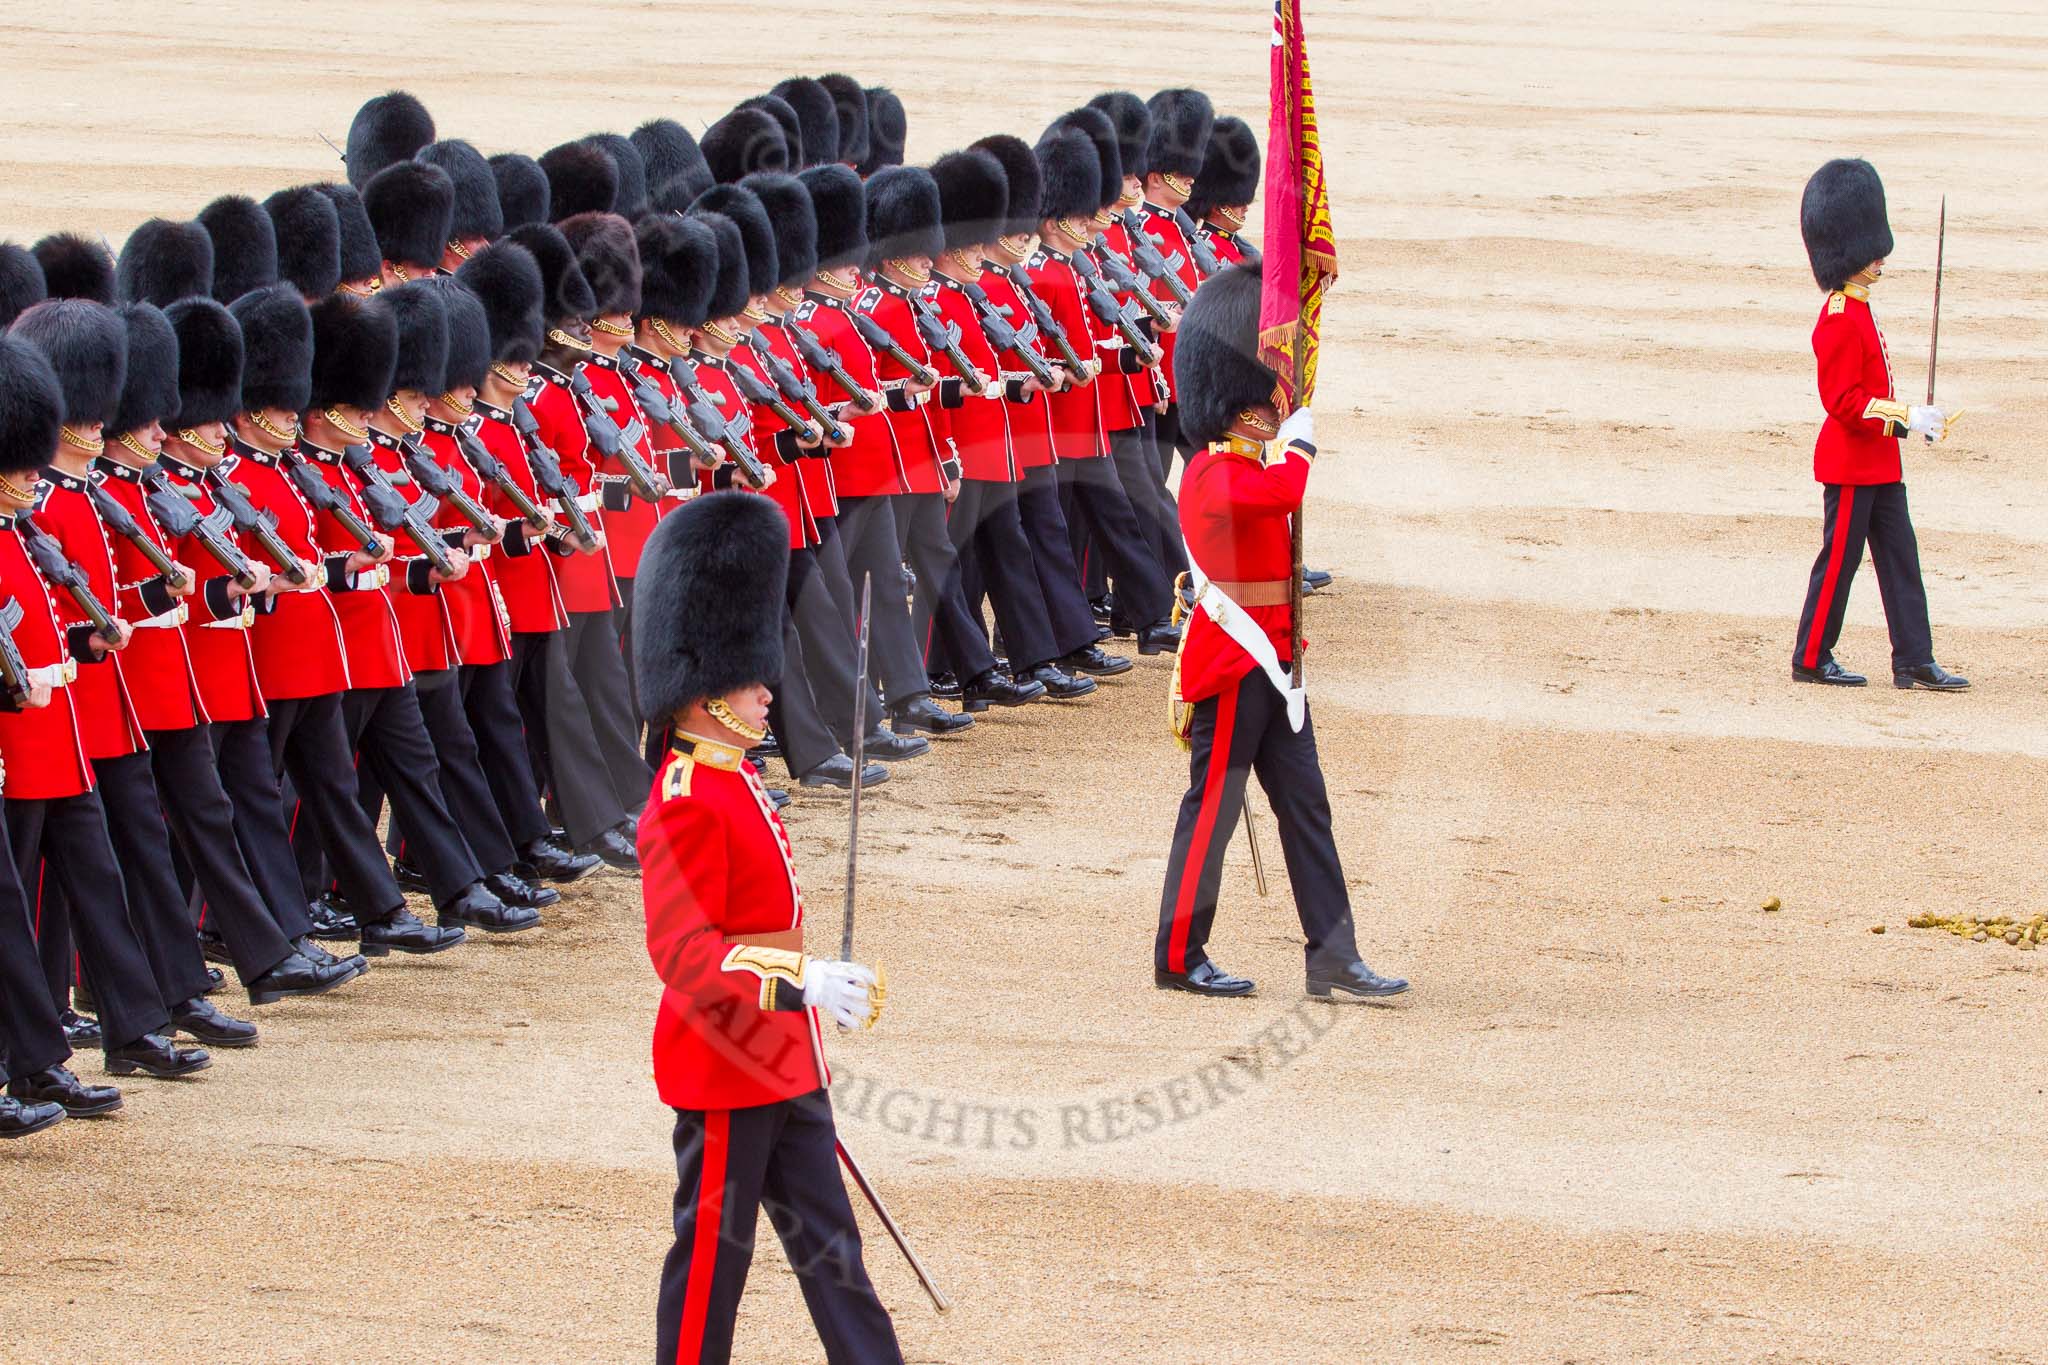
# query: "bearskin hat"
{"type": "Point", "coordinates": [469, 334]}
{"type": "Point", "coordinates": [277, 349]}
{"type": "Point", "coordinates": [1216, 368]}
{"type": "Point", "coordinates": [1842, 217]}
{"type": "Point", "coordinates": [743, 142]}
{"type": "Point", "coordinates": [729, 283]}
{"type": "Point", "coordinates": [903, 214]}
{"type": "Point", "coordinates": [477, 211]}
{"type": "Point", "coordinates": [840, 203]}
{"type": "Point", "coordinates": [411, 206]}
{"type": "Point", "coordinates": [1022, 177]}
{"type": "Point", "coordinates": [308, 240]}
{"type": "Point", "coordinates": [793, 222]}
{"type": "Point", "coordinates": [1102, 133]}
{"type": "Point", "coordinates": [850, 99]}
{"type": "Point", "coordinates": [785, 116]}
{"type": "Point", "coordinates": [582, 178]}
{"type": "Point", "coordinates": [1180, 133]}
{"type": "Point", "coordinates": [387, 130]}
{"type": "Point", "coordinates": [150, 392]}
{"type": "Point", "coordinates": [609, 258]}
{"type": "Point", "coordinates": [1230, 169]}
{"type": "Point", "coordinates": [974, 197]}
{"type": "Point", "coordinates": [506, 281]}
{"type": "Point", "coordinates": [679, 267]}
{"type": "Point", "coordinates": [162, 262]}
{"type": "Point", "coordinates": [422, 337]}
{"type": "Point", "coordinates": [522, 189]}
{"type": "Point", "coordinates": [244, 246]}
{"type": "Point", "coordinates": [355, 352]}
{"type": "Point", "coordinates": [21, 281]}
{"type": "Point", "coordinates": [757, 234]}
{"type": "Point", "coordinates": [1071, 172]}
{"type": "Point", "coordinates": [817, 116]}
{"type": "Point", "coordinates": [564, 293]}
{"type": "Point", "coordinates": [361, 258]}
{"type": "Point", "coordinates": [707, 615]}
{"type": "Point", "coordinates": [210, 360]}
{"type": "Point", "coordinates": [676, 172]}
{"type": "Point", "coordinates": [32, 408]}
{"type": "Point", "coordinates": [75, 267]}
{"type": "Point", "coordinates": [631, 200]}
{"type": "Point", "coordinates": [1132, 121]}
{"type": "Point", "coordinates": [87, 346]}
{"type": "Point", "coordinates": [888, 130]}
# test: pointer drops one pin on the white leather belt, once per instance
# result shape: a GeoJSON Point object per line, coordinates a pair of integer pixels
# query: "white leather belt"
{"type": "Point", "coordinates": [54, 676]}
{"type": "Point", "coordinates": [174, 617]}
{"type": "Point", "coordinates": [242, 622]}
{"type": "Point", "coordinates": [589, 502]}
{"type": "Point", "coordinates": [376, 576]}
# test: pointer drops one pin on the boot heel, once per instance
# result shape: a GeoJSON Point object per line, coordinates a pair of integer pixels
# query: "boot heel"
{"type": "Point", "coordinates": [368, 949]}
{"type": "Point", "coordinates": [118, 1067]}
{"type": "Point", "coordinates": [1318, 989]}
{"type": "Point", "coordinates": [975, 708]}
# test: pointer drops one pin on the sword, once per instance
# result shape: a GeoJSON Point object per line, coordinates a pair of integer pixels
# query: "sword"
{"type": "Point", "coordinates": [860, 735]}
{"type": "Point", "coordinates": [1251, 836]}
{"type": "Point", "coordinates": [1934, 336]}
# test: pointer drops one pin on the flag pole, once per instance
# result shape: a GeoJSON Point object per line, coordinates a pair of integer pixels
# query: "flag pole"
{"type": "Point", "coordinates": [1294, 587]}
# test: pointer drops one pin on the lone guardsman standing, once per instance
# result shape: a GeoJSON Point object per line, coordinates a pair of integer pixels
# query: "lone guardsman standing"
{"type": "Point", "coordinates": [736, 1048]}
{"type": "Point", "coordinates": [1856, 460]}
{"type": "Point", "coordinates": [1243, 712]}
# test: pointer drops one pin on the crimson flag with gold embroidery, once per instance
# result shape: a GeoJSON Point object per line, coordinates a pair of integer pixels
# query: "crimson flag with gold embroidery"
{"type": "Point", "coordinates": [1300, 244]}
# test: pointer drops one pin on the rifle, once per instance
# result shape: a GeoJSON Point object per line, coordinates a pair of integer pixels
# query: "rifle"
{"type": "Point", "coordinates": [262, 526]}
{"type": "Point", "coordinates": [877, 336]}
{"type": "Point", "coordinates": [614, 442]}
{"type": "Point", "coordinates": [492, 471]}
{"type": "Point", "coordinates": [826, 361]}
{"type": "Point", "coordinates": [122, 523]}
{"type": "Point", "coordinates": [1048, 325]}
{"type": "Point", "coordinates": [1004, 337]}
{"type": "Point", "coordinates": [656, 405]}
{"type": "Point", "coordinates": [1205, 255]}
{"type": "Point", "coordinates": [1165, 269]}
{"type": "Point", "coordinates": [799, 390]}
{"type": "Point", "coordinates": [49, 560]}
{"type": "Point", "coordinates": [390, 510]}
{"type": "Point", "coordinates": [763, 394]}
{"type": "Point", "coordinates": [1124, 320]}
{"type": "Point", "coordinates": [325, 497]}
{"type": "Point", "coordinates": [1126, 279]}
{"type": "Point", "coordinates": [734, 434]}
{"type": "Point", "coordinates": [944, 339]}
{"type": "Point", "coordinates": [13, 669]}
{"type": "Point", "coordinates": [548, 475]}
{"type": "Point", "coordinates": [444, 487]}
{"type": "Point", "coordinates": [179, 518]}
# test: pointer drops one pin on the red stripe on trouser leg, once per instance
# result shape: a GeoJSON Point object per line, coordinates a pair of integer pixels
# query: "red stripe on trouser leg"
{"type": "Point", "coordinates": [1205, 829]}
{"type": "Point", "coordinates": [1823, 607]}
{"type": "Point", "coordinates": [704, 1245]}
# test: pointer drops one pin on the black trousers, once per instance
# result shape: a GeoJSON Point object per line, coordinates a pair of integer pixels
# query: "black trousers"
{"type": "Point", "coordinates": [1167, 439]}
{"type": "Point", "coordinates": [596, 769]}
{"type": "Point", "coordinates": [1242, 731]}
{"type": "Point", "coordinates": [1044, 523]}
{"type": "Point", "coordinates": [874, 550]}
{"type": "Point", "coordinates": [996, 559]}
{"type": "Point", "coordinates": [310, 742]}
{"type": "Point", "coordinates": [940, 608]}
{"type": "Point", "coordinates": [827, 619]}
{"type": "Point", "coordinates": [794, 710]}
{"type": "Point", "coordinates": [732, 1164]}
{"type": "Point", "coordinates": [65, 839]}
{"type": "Point", "coordinates": [1136, 458]}
{"type": "Point", "coordinates": [389, 736]}
{"type": "Point", "coordinates": [1102, 511]}
{"type": "Point", "coordinates": [465, 790]}
{"type": "Point", "coordinates": [1853, 516]}
{"type": "Point", "coordinates": [492, 705]}
{"type": "Point", "coordinates": [622, 622]}
{"type": "Point", "coordinates": [157, 905]}
{"type": "Point", "coordinates": [31, 1034]}
{"type": "Point", "coordinates": [260, 821]}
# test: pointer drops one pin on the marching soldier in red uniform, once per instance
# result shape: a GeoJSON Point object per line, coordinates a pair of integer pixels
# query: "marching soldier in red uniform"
{"type": "Point", "coordinates": [737, 1050]}
{"type": "Point", "coordinates": [1235, 504]}
{"type": "Point", "coordinates": [1224, 190]}
{"type": "Point", "coordinates": [1856, 459]}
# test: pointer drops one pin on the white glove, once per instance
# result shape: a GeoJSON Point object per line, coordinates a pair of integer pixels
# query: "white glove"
{"type": "Point", "coordinates": [841, 989]}
{"type": "Point", "coordinates": [1299, 426]}
{"type": "Point", "coordinates": [1927, 421]}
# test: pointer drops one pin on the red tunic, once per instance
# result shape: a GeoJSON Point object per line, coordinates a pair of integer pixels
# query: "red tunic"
{"type": "Point", "coordinates": [525, 583]}
{"type": "Point", "coordinates": [1076, 413]}
{"type": "Point", "coordinates": [298, 644]}
{"type": "Point", "coordinates": [870, 467]}
{"type": "Point", "coordinates": [919, 428]}
{"type": "Point", "coordinates": [166, 691]}
{"type": "Point", "coordinates": [626, 520]}
{"type": "Point", "coordinates": [585, 580]}
{"type": "Point", "coordinates": [217, 632]}
{"type": "Point", "coordinates": [475, 611]}
{"type": "Point", "coordinates": [1859, 441]}
{"type": "Point", "coordinates": [978, 427]}
{"type": "Point", "coordinates": [715, 863]}
{"type": "Point", "coordinates": [1145, 384]}
{"type": "Point", "coordinates": [107, 719]}
{"type": "Point", "coordinates": [370, 632]}
{"type": "Point", "coordinates": [768, 438]}
{"type": "Point", "coordinates": [1167, 236]}
{"type": "Point", "coordinates": [1228, 246]}
{"type": "Point", "coordinates": [44, 752]}
{"type": "Point", "coordinates": [820, 498]}
{"type": "Point", "coordinates": [1029, 418]}
{"type": "Point", "coordinates": [1237, 517]}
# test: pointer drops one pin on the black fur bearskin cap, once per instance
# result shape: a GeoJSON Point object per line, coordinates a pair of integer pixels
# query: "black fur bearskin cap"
{"type": "Point", "coordinates": [469, 334]}
{"type": "Point", "coordinates": [522, 189]}
{"type": "Point", "coordinates": [793, 222]}
{"type": "Point", "coordinates": [308, 240]}
{"type": "Point", "coordinates": [1071, 174]}
{"type": "Point", "coordinates": [1842, 217]}
{"type": "Point", "coordinates": [786, 119]}
{"type": "Point", "coordinates": [708, 614]}
{"type": "Point", "coordinates": [477, 211]}
{"type": "Point", "coordinates": [150, 393]}
{"type": "Point", "coordinates": [582, 178]}
{"type": "Point", "coordinates": [361, 259]}
{"type": "Point", "coordinates": [422, 337]}
{"type": "Point", "coordinates": [411, 207]}
{"type": "Point", "coordinates": [75, 267]}
{"type": "Point", "coordinates": [757, 233]}
{"type": "Point", "coordinates": [355, 353]}
{"type": "Point", "coordinates": [1022, 177]}
{"type": "Point", "coordinates": [21, 282]}
{"type": "Point", "coordinates": [244, 246]}
{"type": "Point", "coordinates": [840, 204]}
{"type": "Point", "coordinates": [1132, 121]}
{"type": "Point", "coordinates": [388, 129]}
{"type": "Point", "coordinates": [817, 116]}
{"type": "Point", "coordinates": [87, 345]}
{"type": "Point", "coordinates": [729, 284]}
{"type": "Point", "coordinates": [745, 141]}
{"type": "Point", "coordinates": [676, 170]}
{"type": "Point", "coordinates": [974, 197]}
{"type": "Point", "coordinates": [506, 281]}
{"type": "Point", "coordinates": [210, 361]}
{"type": "Point", "coordinates": [277, 349]}
{"type": "Point", "coordinates": [1109, 161]}
{"type": "Point", "coordinates": [679, 268]}
{"type": "Point", "coordinates": [162, 262]}
{"type": "Point", "coordinates": [609, 258]}
{"type": "Point", "coordinates": [903, 215]}
{"type": "Point", "coordinates": [1181, 120]}
{"type": "Point", "coordinates": [565, 294]}
{"type": "Point", "coordinates": [32, 408]}
{"type": "Point", "coordinates": [888, 130]}
{"type": "Point", "coordinates": [851, 100]}
{"type": "Point", "coordinates": [1230, 170]}
{"type": "Point", "coordinates": [1216, 366]}
{"type": "Point", "coordinates": [631, 200]}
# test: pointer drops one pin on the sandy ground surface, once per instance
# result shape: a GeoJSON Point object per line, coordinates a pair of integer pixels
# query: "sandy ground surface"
{"type": "Point", "coordinates": [1626, 1115]}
